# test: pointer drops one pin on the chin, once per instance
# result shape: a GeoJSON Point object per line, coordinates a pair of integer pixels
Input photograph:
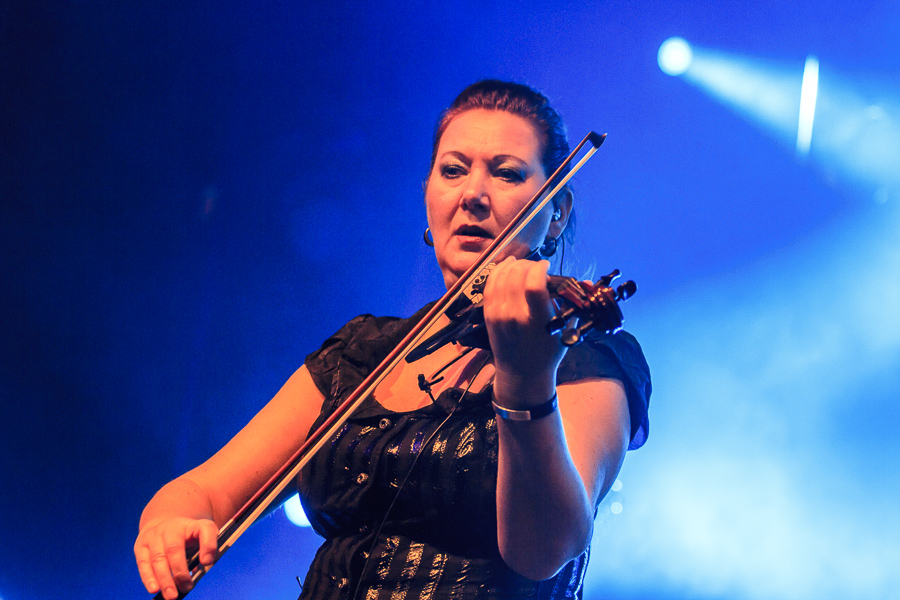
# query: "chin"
{"type": "Point", "coordinates": [453, 271]}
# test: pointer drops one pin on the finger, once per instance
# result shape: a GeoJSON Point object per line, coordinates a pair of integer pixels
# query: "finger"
{"type": "Point", "coordinates": [494, 294]}
{"type": "Point", "coordinates": [174, 542]}
{"type": "Point", "coordinates": [142, 554]}
{"type": "Point", "coordinates": [520, 279]}
{"type": "Point", "coordinates": [207, 534]}
{"type": "Point", "coordinates": [500, 267]}
{"type": "Point", "coordinates": [536, 293]}
{"type": "Point", "coordinates": [506, 301]}
{"type": "Point", "coordinates": [162, 572]}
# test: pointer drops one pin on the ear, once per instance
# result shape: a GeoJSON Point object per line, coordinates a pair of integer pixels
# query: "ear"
{"type": "Point", "coordinates": [565, 199]}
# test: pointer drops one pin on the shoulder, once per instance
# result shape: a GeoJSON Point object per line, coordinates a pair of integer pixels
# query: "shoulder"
{"type": "Point", "coordinates": [357, 347]}
{"type": "Point", "coordinates": [615, 356]}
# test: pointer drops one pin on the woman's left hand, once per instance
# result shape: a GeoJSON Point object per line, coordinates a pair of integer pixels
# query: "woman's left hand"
{"type": "Point", "coordinates": [551, 471]}
{"type": "Point", "coordinates": [517, 308]}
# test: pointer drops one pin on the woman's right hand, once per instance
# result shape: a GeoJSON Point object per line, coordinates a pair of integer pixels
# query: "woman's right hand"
{"type": "Point", "coordinates": [182, 517]}
{"type": "Point", "coordinates": [162, 548]}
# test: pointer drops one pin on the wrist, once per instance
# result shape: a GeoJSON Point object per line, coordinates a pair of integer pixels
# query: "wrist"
{"type": "Point", "coordinates": [530, 414]}
{"type": "Point", "coordinates": [523, 392]}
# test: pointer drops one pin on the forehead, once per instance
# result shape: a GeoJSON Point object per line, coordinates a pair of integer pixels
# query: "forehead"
{"type": "Point", "coordinates": [491, 133]}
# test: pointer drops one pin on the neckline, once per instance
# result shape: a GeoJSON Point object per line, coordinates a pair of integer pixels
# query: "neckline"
{"type": "Point", "coordinates": [443, 403]}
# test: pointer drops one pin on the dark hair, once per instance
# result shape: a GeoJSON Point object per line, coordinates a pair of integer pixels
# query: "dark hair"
{"type": "Point", "coordinates": [522, 101]}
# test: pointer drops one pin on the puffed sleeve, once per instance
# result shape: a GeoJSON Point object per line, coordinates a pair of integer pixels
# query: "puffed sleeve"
{"type": "Point", "coordinates": [616, 356]}
{"type": "Point", "coordinates": [324, 364]}
{"type": "Point", "coordinates": [347, 357]}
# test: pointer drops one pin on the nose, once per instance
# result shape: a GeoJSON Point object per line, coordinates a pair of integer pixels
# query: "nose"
{"type": "Point", "coordinates": [476, 195]}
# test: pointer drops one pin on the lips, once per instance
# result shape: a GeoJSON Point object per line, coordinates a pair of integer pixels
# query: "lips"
{"type": "Point", "coordinates": [472, 231]}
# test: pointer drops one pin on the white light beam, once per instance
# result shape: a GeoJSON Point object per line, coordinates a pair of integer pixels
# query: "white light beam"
{"type": "Point", "coordinates": [809, 89]}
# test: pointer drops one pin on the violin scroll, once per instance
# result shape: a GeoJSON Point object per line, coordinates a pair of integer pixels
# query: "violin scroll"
{"type": "Point", "coordinates": [588, 306]}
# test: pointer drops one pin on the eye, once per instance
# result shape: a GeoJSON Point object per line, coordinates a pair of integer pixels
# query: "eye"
{"type": "Point", "coordinates": [511, 175]}
{"type": "Point", "coordinates": [452, 171]}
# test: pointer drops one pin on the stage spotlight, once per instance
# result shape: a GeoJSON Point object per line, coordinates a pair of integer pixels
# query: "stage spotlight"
{"type": "Point", "coordinates": [857, 123]}
{"type": "Point", "coordinates": [674, 56]}
{"type": "Point", "coordinates": [294, 511]}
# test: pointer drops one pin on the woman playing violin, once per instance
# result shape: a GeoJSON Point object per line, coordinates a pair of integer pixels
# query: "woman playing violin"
{"type": "Point", "coordinates": [484, 481]}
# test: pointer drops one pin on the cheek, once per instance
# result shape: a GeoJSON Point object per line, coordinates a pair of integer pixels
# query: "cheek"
{"type": "Point", "coordinates": [427, 199]}
{"type": "Point", "coordinates": [430, 213]}
{"type": "Point", "coordinates": [437, 210]}
{"type": "Point", "coordinates": [536, 231]}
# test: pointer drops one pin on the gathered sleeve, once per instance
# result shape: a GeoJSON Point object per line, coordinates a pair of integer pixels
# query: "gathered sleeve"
{"type": "Point", "coordinates": [616, 356]}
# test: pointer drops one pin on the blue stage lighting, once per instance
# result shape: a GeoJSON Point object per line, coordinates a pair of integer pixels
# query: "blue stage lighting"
{"type": "Point", "coordinates": [295, 513]}
{"type": "Point", "coordinates": [809, 90]}
{"type": "Point", "coordinates": [674, 56]}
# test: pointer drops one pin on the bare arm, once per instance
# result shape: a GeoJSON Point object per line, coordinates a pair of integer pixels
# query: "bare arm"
{"type": "Point", "coordinates": [186, 513]}
{"type": "Point", "coordinates": [553, 470]}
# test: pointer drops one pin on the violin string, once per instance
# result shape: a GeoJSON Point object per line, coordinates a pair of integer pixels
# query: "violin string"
{"type": "Point", "coordinates": [425, 384]}
{"type": "Point", "coordinates": [449, 364]}
{"type": "Point", "coordinates": [409, 472]}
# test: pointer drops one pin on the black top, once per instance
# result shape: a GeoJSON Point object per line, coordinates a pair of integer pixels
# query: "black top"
{"type": "Point", "coordinates": [439, 539]}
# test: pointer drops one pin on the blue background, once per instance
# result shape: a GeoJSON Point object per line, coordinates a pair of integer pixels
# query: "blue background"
{"type": "Point", "coordinates": [194, 195]}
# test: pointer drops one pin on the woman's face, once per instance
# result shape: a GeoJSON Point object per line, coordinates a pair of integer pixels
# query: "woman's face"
{"type": "Point", "coordinates": [487, 167]}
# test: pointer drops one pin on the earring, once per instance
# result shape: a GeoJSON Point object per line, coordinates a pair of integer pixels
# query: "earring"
{"type": "Point", "coordinates": [548, 248]}
{"type": "Point", "coordinates": [557, 215]}
{"type": "Point", "coordinates": [427, 237]}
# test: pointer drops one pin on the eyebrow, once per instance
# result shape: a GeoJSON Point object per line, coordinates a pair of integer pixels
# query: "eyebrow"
{"type": "Point", "coordinates": [504, 157]}
{"type": "Point", "coordinates": [500, 158]}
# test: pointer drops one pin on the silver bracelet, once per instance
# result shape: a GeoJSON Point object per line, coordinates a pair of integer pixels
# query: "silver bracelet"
{"type": "Point", "coordinates": [538, 412]}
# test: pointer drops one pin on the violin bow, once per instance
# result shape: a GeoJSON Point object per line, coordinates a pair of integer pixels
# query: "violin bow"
{"type": "Point", "coordinates": [257, 505]}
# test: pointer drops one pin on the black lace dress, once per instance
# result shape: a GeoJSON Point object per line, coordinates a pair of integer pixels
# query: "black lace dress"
{"type": "Point", "coordinates": [439, 539]}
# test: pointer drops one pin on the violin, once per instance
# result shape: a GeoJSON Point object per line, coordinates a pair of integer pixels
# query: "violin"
{"type": "Point", "coordinates": [585, 307]}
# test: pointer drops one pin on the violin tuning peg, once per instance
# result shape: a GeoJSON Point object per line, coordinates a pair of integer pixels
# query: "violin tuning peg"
{"type": "Point", "coordinates": [626, 290]}
{"type": "Point", "coordinates": [571, 337]}
{"type": "Point", "coordinates": [608, 279]}
{"type": "Point", "coordinates": [555, 325]}
{"type": "Point", "coordinates": [559, 322]}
